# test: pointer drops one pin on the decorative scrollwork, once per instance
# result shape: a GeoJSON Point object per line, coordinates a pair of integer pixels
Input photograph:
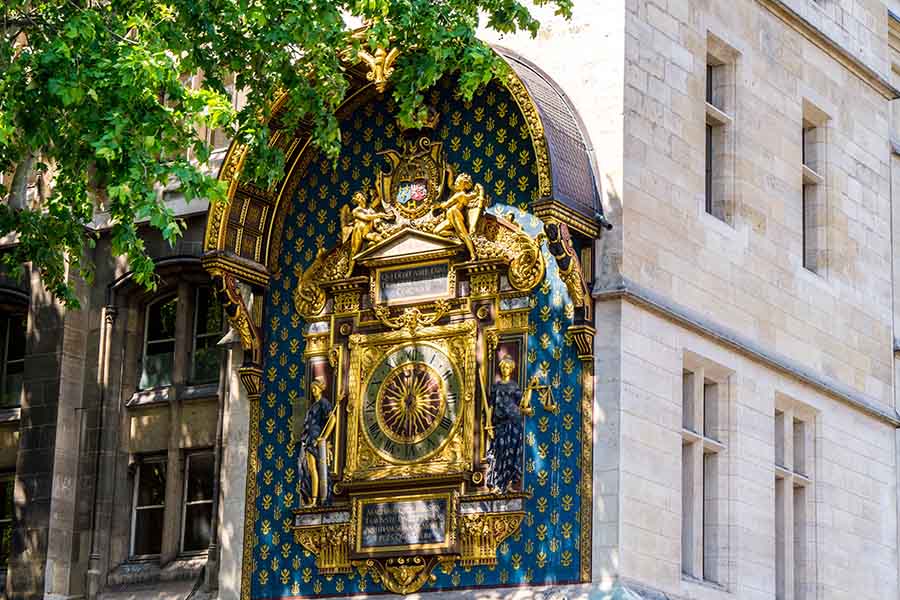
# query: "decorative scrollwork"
{"type": "Point", "coordinates": [401, 575]}
{"type": "Point", "coordinates": [309, 298]}
{"type": "Point", "coordinates": [507, 241]}
{"type": "Point", "coordinates": [526, 269]}
{"type": "Point", "coordinates": [412, 318]}
{"type": "Point", "coordinates": [330, 544]}
{"type": "Point", "coordinates": [482, 533]}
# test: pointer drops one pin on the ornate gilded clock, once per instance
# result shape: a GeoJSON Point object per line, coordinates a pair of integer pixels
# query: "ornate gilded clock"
{"type": "Point", "coordinates": [413, 414]}
{"type": "Point", "coordinates": [411, 312]}
{"type": "Point", "coordinates": [411, 402]}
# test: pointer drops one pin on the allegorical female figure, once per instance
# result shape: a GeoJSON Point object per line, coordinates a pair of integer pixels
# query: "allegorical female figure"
{"type": "Point", "coordinates": [508, 405]}
{"type": "Point", "coordinates": [317, 426]}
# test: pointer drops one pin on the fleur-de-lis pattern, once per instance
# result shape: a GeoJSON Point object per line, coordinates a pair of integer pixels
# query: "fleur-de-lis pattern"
{"type": "Point", "coordinates": [488, 137]}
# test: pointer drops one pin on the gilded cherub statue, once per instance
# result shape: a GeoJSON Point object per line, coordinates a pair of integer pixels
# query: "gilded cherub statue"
{"type": "Point", "coordinates": [357, 224]}
{"type": "Point", "coordinates": [462, 210]}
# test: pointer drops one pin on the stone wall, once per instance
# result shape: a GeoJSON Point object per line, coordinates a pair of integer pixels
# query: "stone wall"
{"type": "Point", "coordinates": [683, 287]}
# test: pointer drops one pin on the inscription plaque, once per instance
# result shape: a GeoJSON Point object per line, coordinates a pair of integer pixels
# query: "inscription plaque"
{"type": "Point", "coordinates": [401, 524]}
{"type": "Point", "coordinates": [414, 283]}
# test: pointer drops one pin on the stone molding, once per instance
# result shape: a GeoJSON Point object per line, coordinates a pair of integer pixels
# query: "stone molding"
{"type": "Point", "coordinates": [825, 43]}
{"type": "Point", "coordinates": [691, 319]}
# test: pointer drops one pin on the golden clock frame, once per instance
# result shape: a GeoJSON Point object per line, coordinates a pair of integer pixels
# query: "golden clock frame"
{"type": "Point", "coordinates": [366, 463]}
{"type": "Point", "coordinates": [380, 418]}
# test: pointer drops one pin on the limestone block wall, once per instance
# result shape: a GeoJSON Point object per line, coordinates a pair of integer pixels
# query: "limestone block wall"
{"type": "Point", "coordinates": [852, 534]}
{"type": "Point", "coordinates": [744, 274]}
{"type": "Point", "coordinates": [748, 274]}
{"type": "Point", "coordinates": [647, 125]}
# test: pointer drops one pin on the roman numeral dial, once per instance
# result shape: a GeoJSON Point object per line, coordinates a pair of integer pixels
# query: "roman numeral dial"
{"type": "Point", "coordinates": [410, 404]}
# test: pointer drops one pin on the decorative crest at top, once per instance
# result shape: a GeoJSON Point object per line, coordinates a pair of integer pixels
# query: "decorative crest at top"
{"type": "Point", "coordinates": [420, 202]}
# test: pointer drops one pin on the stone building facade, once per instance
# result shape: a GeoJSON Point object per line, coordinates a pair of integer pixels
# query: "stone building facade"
{"type": "Point", "coordinates": [744, 414]}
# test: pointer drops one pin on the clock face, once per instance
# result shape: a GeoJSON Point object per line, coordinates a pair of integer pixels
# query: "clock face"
{"type": "Point", "coordinates": [410, 404]}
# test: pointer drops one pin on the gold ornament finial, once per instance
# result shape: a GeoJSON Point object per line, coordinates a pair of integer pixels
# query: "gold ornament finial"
{"type": "Point", "coordinates": [381, 66]}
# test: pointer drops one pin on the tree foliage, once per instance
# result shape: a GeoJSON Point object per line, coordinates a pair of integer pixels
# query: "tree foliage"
{"type": "Point", "coordinates": [93, 100]}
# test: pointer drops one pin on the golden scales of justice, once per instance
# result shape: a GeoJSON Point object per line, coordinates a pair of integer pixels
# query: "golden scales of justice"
{"type": "Point", "coordinates": [405, 320]}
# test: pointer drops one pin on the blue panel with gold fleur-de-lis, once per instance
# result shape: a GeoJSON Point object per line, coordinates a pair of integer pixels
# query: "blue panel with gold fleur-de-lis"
{"type": "Point", "coordinates": [489, 139]}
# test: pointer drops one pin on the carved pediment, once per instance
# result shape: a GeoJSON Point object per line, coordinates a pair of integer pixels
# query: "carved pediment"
{"type": "Point", "coordinates": [408, 244]}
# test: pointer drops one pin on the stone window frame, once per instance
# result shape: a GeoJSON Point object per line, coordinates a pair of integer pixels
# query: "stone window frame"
{"type": "Point", "coordinates": [4, 368]}
{"type": "Point", "coordinates": [720, 108]}
{"type": "Point", "coordinates": [814, 188]}
{"type": "Point", "coordinates": [195, 309]}
{"type": "Point", "coordinates": [794, 487]}
{"type": "Point", "coordinates": [179, 276]}
{"type": "Point", "coordinates": [210, 452]}
{"type": "Point", "coordinates": [156, 301]}
{"type": "Point", "coordinates": [141, 461]}
{"type": "Point", "coordinates": [706, 433]}
{"type": "Point", "coordinates": [7, 478]}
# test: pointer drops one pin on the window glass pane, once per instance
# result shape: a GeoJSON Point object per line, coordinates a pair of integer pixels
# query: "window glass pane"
{"type": "Point", "coordinates": [16, 348]}
{"type": "Point", "coordinates": [148, 527]}
{"type": "Point", "coordinates": [200, 477]}
{"type": "Point", "coordinates": [152, 484]}
{"type": "Point", "coordinates": [157, 371]}
{"type": "Point", "coordinates": [159, 350]}
{"type": "Point", "coordinates": [197, 520]}
{"type": "Point", "coordinates": [209, 327]}
{"type": "Point", "coordinates": [206, 364]}
{"type": "Point", "coordinates": [13, 335]}
{"type": "Point", "coordinates": [6, 499]}
{"type": "Point", "coordinates": [209, 312]}
{"type": "Point", "coordinates": [12, 385]}
{"type": "Point", "coordinates": [161, 319]}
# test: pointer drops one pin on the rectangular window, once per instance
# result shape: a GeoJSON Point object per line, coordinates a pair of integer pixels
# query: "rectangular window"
{"type": "Point", "coordinates": [702, 454]}
{"type": "Point", "coordinates": [812, 208]}
{"type": "Point", "coordinates": [720, 103]}
{"type": "Point", "coordinates": [7, 517]}
{"type": "Point", "coordinates": [793, 482]}
{"type": "Point", "coordinates": [12, 338]}
{"type": "Point", "coordinates": [710, 172]}
{"type": "Point", "coordinates": [198, 501]}
{"type": "Point", "coordinates": [209, 327]}
{"type": "Point", "coordinates": [159, 343]}
{"type": "Point", "coordinates": [149, 504]}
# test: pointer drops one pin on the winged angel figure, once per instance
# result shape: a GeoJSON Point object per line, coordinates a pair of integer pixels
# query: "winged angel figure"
{"type": "Point", "coordinates": [358, 222]}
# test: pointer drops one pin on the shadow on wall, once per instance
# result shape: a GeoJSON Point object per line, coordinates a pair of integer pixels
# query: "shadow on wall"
{"type": "Point", "coordinates": [609, 256]}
